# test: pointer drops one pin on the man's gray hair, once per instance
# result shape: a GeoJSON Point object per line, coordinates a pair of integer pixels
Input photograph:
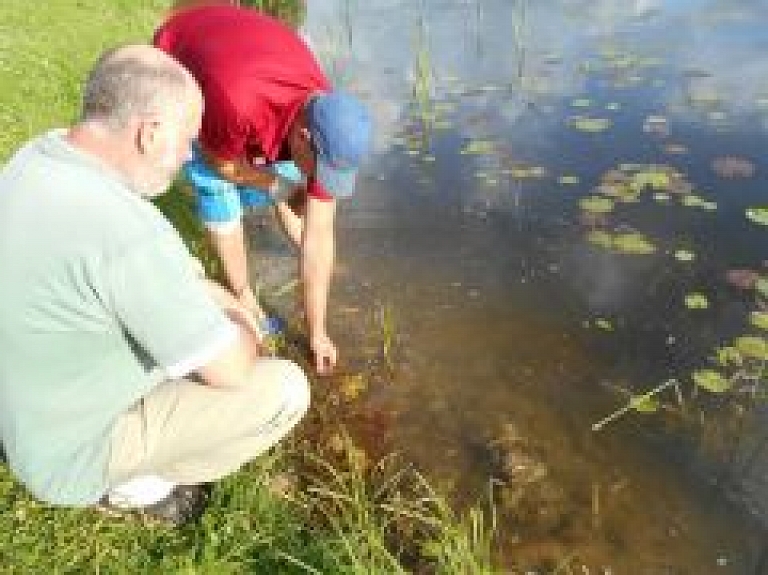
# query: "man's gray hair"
{"type": "Point", "coordinates": [134, 81]}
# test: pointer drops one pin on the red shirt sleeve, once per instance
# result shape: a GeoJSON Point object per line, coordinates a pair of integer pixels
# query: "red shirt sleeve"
{"type": "Point", "coordinates": [316, 190]}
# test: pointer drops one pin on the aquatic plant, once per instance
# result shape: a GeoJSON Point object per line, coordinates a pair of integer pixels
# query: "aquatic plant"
{"type": "Point", "coordinates": [596, 204]}
{"type": "Point", "coordinates": [758, 215]}
{"type": "Point", "coordinates": [643, 403]}
{"type": "Point", "coordinates": [633, 243]}
{"type": "Point", "coordinates": [589, 124]}
{"type": "Point", "coordinates": [696, 301]}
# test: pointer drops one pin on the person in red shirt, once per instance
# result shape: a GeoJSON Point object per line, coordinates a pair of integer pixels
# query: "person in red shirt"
{"type": "Point", "coordinates": [274, 131]}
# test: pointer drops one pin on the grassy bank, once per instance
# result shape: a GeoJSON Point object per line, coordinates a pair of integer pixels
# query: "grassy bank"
{"type": "Point", "coordinates": [289, 512]}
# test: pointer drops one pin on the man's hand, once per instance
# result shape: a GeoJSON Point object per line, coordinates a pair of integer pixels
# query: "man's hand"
{"type": "Point", "coordinates": [325, 353]}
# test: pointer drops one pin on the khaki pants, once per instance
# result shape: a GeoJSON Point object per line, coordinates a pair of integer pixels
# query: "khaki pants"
{"type": "Point", "coordinates": [188, 432]}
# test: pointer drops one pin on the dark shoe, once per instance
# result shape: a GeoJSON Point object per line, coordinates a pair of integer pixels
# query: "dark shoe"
{"type": "Point", "coordinates": [185, 504]}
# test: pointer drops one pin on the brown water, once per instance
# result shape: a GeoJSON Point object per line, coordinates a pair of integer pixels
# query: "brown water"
{"type": "Point", "coordinates": [480, 277]}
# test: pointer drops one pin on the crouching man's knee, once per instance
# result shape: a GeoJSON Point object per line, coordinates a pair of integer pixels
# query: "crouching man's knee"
{"type": "Point", "coordinates": [284, 385]}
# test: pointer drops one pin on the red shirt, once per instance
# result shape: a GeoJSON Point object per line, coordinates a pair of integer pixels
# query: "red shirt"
{"type": "Point", "coordinates": [255, 73]}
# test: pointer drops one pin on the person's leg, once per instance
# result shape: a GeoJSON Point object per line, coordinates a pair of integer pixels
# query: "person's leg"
{"type": "Point", "coordinates": [190, 433]}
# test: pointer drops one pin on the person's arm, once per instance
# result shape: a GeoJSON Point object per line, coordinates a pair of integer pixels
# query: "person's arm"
{"type": "Point", "coordinates": [234, 363]}
{"type": "Point", "coordinates": [316, 265]}
{"type": "Point", "coordinates": [241, 172]}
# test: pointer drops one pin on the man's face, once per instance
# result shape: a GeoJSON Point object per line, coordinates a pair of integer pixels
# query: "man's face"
{"type": "Point", "coordinates": [172, 137]}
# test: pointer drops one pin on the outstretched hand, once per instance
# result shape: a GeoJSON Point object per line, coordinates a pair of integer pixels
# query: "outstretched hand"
{"type": "Point", "coordinates": [325, 354]}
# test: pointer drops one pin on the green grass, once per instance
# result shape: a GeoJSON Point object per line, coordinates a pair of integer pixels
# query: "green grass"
{"type": "Point", "coordinates": [348, 516]}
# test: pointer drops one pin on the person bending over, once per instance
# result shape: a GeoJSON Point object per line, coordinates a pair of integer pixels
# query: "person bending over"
{"type": "Point", "coordinates": [274, 132]}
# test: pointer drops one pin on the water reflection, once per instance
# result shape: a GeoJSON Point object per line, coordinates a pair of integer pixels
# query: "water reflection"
{"type": "Point", "coordinates": [514, 333]}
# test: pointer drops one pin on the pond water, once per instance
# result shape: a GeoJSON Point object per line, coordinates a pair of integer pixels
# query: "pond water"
{"type": "Point", "coordinates": [493, 311]}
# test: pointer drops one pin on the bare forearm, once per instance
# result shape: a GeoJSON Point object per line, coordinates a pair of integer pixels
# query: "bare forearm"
{"type": "Point", "coordinates": [316, 270]}
{"type": "Point", "coordinates": [230, 247]}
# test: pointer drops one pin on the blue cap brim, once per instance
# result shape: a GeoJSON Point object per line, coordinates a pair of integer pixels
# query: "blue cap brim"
{"type": "Point", "coordinates": [338, 182]}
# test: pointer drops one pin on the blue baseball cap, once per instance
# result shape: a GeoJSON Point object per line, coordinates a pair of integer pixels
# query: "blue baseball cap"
{"type": "Point", "coordinates": [341, 128]}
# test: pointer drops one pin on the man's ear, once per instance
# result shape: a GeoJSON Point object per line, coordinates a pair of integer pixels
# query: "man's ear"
{"type": "Point", "coordinates": [146, 136]}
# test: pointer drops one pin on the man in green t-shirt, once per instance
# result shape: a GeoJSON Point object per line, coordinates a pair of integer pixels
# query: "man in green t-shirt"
{"type": "Point", "coordinates": [125, 377]}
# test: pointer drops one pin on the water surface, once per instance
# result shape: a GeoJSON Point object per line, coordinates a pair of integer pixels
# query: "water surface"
{"type": "Point", "coordinates": [479, 264]}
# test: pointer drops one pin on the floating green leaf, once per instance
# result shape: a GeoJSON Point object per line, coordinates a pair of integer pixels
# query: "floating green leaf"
{"type": "Point", "coordinates": [711, 380]}
{"type": "Point", "coordinates": [596, 204]}
{"type": "Point", "coordinates": [759, 319]}
{"type": "Point", "coordinates": [644, 403]}
{"type": "Point", "coordinates": [696, 301]}
{"type": "Point", "coordinates": [653, 178]}
{"type": "Point", "coordinates": [600, 238]}
{"type": "Point", "coordinates": [581, 103]}
{"type": "Point", "coordinates": [761, 286]}
{"type": "Point", "coordinates": [633, 243]}
{"type": "Point", "coordinates": [661, 197]}
{"type": "Point", "coordinates": [568, 180]}
{"type": "Point", "coordinates": [684, 256]}
{"type": "Point", "coordinates": [694, 201]}
{"type": "Point", "coordinates": [728, 355]}
{"type": "Point", "coordinates": [478, 147]}
{"type": "Point", "coordinates": [613, 106]}
{"type": "Point", "coordinates": [590, 125]}
{"type": "Point", "coordinates": [758, 215]}
{"type": "Point", "coordinates": [752, 346]}
{"type": "Point", "coordinates": [603, 324]}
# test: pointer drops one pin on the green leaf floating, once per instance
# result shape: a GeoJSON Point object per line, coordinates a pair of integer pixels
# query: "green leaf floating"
{"type": "Point", "coordinates": [684, 256]}
{"type": "Point", "coordinates": [596, 204]}
{"type": "Point", "coordinates": [633, 243]}
{"type": "Point", "coordinates": [589, 125]}
{"type": "Point", "coordinates": [655, 179]}
{"type": "Point", "coordinates": [711, 380]}
{"type": "Point", "coordinates": [478, 147]}
{"type": "Point", "coordinates": [644, 403]}
{"type": "Point", "coordinates": [761, 286]}
{"type": "Point", "coordinates": [758, 215]}
{"type": "Point", "coordinates": [752, 346]}
{"type": "Point", "coordinates": [600, 238]}
{"type": "Point", "coordinates": [759, 319]}
{"type": "Point", "coordinates": [728, 355]}
{"type": "Point", "coordinates": [603, 324]}
{"type": "Point", "coordinates": [696, 301]}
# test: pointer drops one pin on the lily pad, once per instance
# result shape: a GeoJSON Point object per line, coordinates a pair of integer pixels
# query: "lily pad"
{"type": "Point", "coordinates": [589, 125]}
{"type": "Point", "coordinates": [696, 301]}
{"type": "Point", "coordinates": [758, 215]}
{"type": "Point", "coordinates": [761, 286]}
{"type": "Point", "coordinates": [568, 180]}
{"type": "Point", "coordinates": [752, 346]}
{"type": "Point", "coordinates": [633, 243]}
{"type": "Point", "coordinates": [604, 324]}
{"type": "Point", "coordinates": [600, 238]}
{"type": "Point", "coordinates": [729, 355]}
{"type": "Point", "coordinates": [661, 197]}
{"type": "Point", "coordinates": [644, 403]}
{"type": "Point", "coordinates": [653, 178]}
{"type": "Point", "coordinates": [759, 319]}
{"type": "Point", "coordinates": [596, 204]}
{"type": "Point", "coordinates": [478, 147]}
{"type": "Point", "coordinates": [684, 256]}
{"type": "Point", "coordinates": [581, 103]}
{"type": "Point", "coordinates": [711, 380]}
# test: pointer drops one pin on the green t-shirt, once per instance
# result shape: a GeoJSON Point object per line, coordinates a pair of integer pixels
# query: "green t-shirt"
{"type": "Point", "coordinates": [99, 301]}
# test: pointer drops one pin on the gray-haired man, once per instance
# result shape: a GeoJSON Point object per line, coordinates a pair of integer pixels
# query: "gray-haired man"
{"type": "Point", "coordinates": [123, 377]}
